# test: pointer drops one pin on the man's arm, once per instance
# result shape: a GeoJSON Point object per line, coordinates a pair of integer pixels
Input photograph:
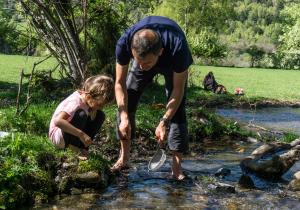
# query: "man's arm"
{"type": "Point", "coordinates": [179, 80]}
{"type": "Point", "coordinates": [122, 100]}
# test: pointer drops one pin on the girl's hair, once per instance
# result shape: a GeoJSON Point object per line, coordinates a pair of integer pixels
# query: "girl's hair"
{"type": "Point", "coordinates": [99, 86]}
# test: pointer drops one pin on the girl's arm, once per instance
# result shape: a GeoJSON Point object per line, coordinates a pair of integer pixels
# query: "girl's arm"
{"type": "Point", "coordinates": [61, 122]}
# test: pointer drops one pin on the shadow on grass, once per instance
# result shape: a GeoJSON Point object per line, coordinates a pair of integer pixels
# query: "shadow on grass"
{"type": "Point", "coordinates": [40, 94]}
{"type": "Point", "coordinates": [196, 97]}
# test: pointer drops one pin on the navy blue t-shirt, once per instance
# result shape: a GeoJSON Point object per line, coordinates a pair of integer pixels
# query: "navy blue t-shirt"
{"type": "Point", "coordinates": [176, 54]}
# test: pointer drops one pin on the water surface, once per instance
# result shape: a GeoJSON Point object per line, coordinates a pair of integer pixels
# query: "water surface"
{"type": "Point", "coordinates": [281, 119]}
{"type": "Point", "coordinates": [140, 189]}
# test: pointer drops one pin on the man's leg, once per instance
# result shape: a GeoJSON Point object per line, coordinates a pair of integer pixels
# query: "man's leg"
{"type": "Point", "coordinates": [178, 144]}
{"type": "Point", "coordinates": [136, 82]}
{"type": "Point", "coordinates": [178, 132]}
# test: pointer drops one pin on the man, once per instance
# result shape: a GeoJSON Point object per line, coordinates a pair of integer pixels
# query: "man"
{"type": "Point", "coordinates": [157, 45]}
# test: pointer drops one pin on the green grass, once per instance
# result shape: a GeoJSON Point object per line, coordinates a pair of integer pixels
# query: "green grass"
{"type": "Point", "coordinates": [267, 83]}
{"type": "Point", "coordinates": [11, 66]}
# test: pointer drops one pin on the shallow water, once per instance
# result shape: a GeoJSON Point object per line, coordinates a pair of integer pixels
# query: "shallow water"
{"type": "Point", "coordinates": [141, 189]}
{"type": "Point", "coordinates": [282, 119]}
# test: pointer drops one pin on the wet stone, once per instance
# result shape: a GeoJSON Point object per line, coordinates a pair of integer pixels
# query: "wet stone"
{"type": "Point", "coordinates": [89, 177]}
{"type": "Point", "coordinates": [69, 165]}
{"type": "Point", "coordinates": [222, 187]}
{"type": "Point", "coordinates": [75, 191]}
{"type": "Point", "coordinates": [246, 181]}
{"type": "Point", "coordinates": [223, 172]}
{"type": "Point", "coordinates": [252, 140]}
{"type": "Point", "coordinates": [297, 175]}
{"type": "Point", "coordinates": [294, 185]}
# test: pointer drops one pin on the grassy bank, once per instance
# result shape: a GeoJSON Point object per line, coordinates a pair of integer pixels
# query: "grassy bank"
{"type": "Point", "coordinates": [266, 83]}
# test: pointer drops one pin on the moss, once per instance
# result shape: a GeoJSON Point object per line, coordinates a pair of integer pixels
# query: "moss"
{"type": "Point", "coordinates": [95, 162]}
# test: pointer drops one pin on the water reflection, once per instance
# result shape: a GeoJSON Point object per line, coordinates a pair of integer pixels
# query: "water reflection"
{"type": "Point", "coordinates": [283, 118]}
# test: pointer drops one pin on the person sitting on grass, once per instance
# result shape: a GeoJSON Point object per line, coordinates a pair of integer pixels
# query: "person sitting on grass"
{"type": "Point", "coordinates": [78, 118]}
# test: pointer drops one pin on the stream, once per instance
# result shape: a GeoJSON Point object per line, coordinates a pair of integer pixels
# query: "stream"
{"type": "Point", "coordinates": [141, 189]}
{"type": "Point", "coordinates": [282, 119]}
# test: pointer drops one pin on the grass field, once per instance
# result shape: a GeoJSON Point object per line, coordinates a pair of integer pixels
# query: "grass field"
{"type": "Point", "coordinates": [11, 65]}
{"type": "Point", "coordinates": [268, 83]}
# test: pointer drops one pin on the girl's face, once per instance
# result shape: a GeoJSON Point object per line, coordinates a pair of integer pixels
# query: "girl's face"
{"type": "Point", "coordinates": [94, 103]}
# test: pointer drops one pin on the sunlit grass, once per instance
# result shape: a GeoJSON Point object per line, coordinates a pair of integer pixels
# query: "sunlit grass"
{"type": "Point", "coordinates": [11, 66]}
{"type": "Point", "coordinates": [267, 83]}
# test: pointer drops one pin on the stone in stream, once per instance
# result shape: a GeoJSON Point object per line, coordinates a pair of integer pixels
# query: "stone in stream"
{"type": "Point", "coordinates": [89, 177]}
{"type": "Point", "coordinates": [252, 140]}
{"type": "Point", "coordinates": [223, 172]}
{"type": "Point", "coordinates": [294, 185]}
{"type": "Point", "coordinates": [269, 162]}
{"type": "Point", "coordinates": [297, 175]}
{"type": "Point", "coordinates": [246, 182]}
{"type": "Point", "coordinates": [222, 187]}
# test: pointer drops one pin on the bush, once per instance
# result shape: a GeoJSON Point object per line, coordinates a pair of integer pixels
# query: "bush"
{"type": "Point", "coordinates": [21, 176]}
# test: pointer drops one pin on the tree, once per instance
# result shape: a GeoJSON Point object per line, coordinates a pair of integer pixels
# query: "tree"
{"type": "Point", "coordinates": [54, 22]}
{"type": "Point", "coordinates": [202, 21]}
{"type": "Point", "coordinates": [81, 34]}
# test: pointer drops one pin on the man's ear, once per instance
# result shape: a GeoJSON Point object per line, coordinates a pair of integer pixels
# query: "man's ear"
{"type": "Point", "coordinates": [161, 51]}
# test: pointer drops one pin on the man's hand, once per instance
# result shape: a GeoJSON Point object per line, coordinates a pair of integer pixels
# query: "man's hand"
{"type": "Point", "coordinates": [85, 139]}
{"type": "Point", "coordinates": [161, 133]}
{"type": "Point", "coordinates": [124, 130]}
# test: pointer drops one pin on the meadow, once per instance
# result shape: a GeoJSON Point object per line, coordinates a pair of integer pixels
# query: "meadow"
{"type": "Point", "coordinates": [267, 83]}
{"type": "Point", "coordinates": [11, 66]}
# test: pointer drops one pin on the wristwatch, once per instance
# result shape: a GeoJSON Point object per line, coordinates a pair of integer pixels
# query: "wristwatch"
{"type": "Point", "coordinates": [166, 121]}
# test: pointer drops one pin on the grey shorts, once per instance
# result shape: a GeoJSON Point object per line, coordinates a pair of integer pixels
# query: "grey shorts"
{"type": "Point", "coordinates": [136, 82]}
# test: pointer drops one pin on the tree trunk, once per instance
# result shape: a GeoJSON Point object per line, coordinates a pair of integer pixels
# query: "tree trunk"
{"type": "Point", "coordinates": [53, 23]}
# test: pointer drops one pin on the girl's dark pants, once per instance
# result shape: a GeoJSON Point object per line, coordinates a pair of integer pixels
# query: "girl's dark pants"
{"type": "Point", "coordinates": [84, 122]}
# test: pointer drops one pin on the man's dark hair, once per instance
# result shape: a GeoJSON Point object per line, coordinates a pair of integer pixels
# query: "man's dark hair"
{"type": "Point", "coordinates": [144, 44]}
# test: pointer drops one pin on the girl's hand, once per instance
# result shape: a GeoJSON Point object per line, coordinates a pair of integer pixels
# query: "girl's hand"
{"type": "Point", "coordinates": [85, 139]}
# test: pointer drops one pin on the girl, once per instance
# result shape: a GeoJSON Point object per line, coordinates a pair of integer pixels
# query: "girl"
{"type": "Point", "coordinates": [78, 118]}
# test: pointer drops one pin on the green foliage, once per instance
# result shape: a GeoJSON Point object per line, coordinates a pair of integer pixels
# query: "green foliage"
{"type": "Point", "coordinates": [35, 120]}
{"type": "Point", "coordinates": [204, 123]}
{"type": "Point", "coordinates": [21, 176]}
{"type": "Point", "coordinates": [256, 54]}
{"type": "Point", "coordinates": [95, 162]}
{"type": "Point", "coordinates": [289, 137]}
{"type": "Point", "coordinates": [290, 39]}
{"type": "Point", "coordinates": [206, 44]}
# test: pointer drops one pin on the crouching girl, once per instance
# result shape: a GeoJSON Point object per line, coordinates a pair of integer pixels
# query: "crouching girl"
{"type": "Point", "coordinates": [78, 118]}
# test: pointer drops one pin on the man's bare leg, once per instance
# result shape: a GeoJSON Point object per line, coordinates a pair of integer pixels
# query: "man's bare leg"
{"type": "Point", "coordinates": [124, 155]}
{"type": "Point", "coordinates": [176, 166]}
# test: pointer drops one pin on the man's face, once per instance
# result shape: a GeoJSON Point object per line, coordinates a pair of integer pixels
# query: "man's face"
{"type": "Point", "coordinates": [147, 62]}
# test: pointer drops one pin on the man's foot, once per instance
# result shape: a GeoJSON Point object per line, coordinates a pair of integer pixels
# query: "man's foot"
{"type": "Point", "coordinates": [118, 166]}
{"type": "Point", "coordinates": [179, 177]}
